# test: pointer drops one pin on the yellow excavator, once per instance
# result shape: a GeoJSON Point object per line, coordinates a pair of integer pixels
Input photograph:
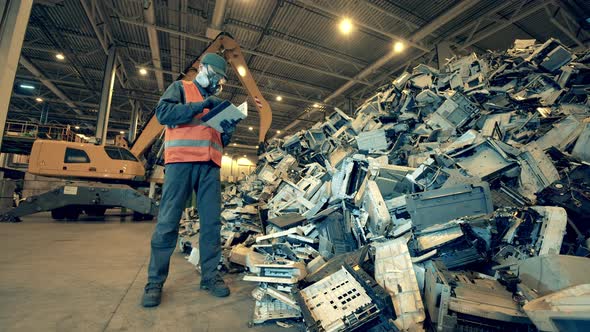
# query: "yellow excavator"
{"type": "Point", "coordinates": [105, 176]}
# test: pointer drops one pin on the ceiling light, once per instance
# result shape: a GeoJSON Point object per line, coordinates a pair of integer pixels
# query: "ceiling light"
{"type": "Point", "coordinates": [278, 131]}
{"type": "Point", "coordinates": [242, 71]}
{"type": "Point", "coordinates": [245, 156]}
{"type": "Point", "coordinates": [345, 26]}
{"type": "Point", "coordinates": [279, 98]}
{"type": "Point", "coordinates": [39, 99]}
{"type": "Point", "coordinates": [143, 71]}
{"type": "Point", "coordinates": [250, 128]}
{"type": "Point", "coordinates": [60, 56]}
{"type": "Point", "coordinates": [398, 47]}
{"type": "Point", "coordinates": [27, 86]}
{"type": "Point", "coordinates": [234, 144]}
{"type": "Point", "coordinates": [121, 132]}
{"type": "Point", "coordinates": [316, 105]}
{"type": "Point", "coordinates": [77, 127]}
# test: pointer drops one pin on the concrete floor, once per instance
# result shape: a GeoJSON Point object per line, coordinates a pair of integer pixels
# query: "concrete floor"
{"type": "Point", "coordinates": [89, 276]}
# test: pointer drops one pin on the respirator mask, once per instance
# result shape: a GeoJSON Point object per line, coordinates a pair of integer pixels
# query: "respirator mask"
{"type": "Point", "coordinates": [209, 80]}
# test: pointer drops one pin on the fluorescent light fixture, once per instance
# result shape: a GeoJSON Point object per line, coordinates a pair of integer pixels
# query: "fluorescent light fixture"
{"type": "Point", "coordinates": [60, 56]}
{"type": "Point", "coordinates": [250, 128]}
{"type": "Point", "coordinates": [345, 26]}
{"type": "Point", "coordinates": [121, 132]}
{"type": "Point", "coordinates": [242, 71]}
{"type": "Point", "coordinates": [27, 86]}
{"type": "Point", "coordinates": [143, 71]}
{"type": "Point", "coordinates": [279, 98]}
{"type": "Point", "coordinates": [398, 47]}
{"type": "Point", "coordinates": [39, 99]}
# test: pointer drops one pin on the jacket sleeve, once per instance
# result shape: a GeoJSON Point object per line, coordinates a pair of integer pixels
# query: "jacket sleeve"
{"type": "Point", "coordinates": [171, 111]}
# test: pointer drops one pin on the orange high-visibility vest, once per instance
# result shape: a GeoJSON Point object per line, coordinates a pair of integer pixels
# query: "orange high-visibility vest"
{"type": "Point", "coordinates": [193, 141]}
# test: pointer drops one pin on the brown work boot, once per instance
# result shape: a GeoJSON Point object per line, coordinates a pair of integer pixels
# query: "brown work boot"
{"type": "Point", "coordinates": [215, 286]}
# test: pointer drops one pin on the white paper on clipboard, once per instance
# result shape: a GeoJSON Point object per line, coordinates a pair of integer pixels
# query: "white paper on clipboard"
{"type": "Point", "coordinates": [231, 112]}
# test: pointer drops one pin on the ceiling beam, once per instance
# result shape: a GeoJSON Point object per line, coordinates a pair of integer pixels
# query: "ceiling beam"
{"type": "Point", "coordinates": [269, 93]}
{"type": "Point", "coordinates": [396, 17]}
{"type": "Point", "coordinates": [149, 15]}
{"type": "Point", "coordinates": [336, 14]}
{"type": "Point", "coordinates": [141, 95]}
{"type": "Point", "coordinates": [571, 34]}
{"type": "Point", "coordinates": [499, 26]}
{"type": "Point", "coordinates": [194, 36]}
{"type": "Point", "coordinates": [52, 87]}
{"type": "Point", "coordinates": [270, 76]}
{"type": "Point", "coordinates": [315, 97]}
{"type": "Point", "coordinates": [71, 84]}
{"type": "Point", "coordinates": [475, 24]}
{"type": "Point", "coordinates": [294, 41]}
{"type": "Point", "coordinates": [416, 37]}
{"type": "Point", "coordinates": [92, 106]}
{"type": "Point", "coordinates": [61, 117]}
{"type": "Point", "coordinates": [50, 31]}
{"type": "Point", "coordinates": [174, 41]}
{"type": "Point", "coordinates": [474, 36]}
{"type": "Point", "coordinates": [151, 97]}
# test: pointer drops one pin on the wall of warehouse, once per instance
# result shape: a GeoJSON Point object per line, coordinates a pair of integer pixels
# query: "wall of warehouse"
{"type": "Point", "coordinates": [236, 167]}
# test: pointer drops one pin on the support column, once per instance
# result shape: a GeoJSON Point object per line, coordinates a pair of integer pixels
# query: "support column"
{"type": "Point", "coordinates": [14, 17]}
{"type": "Point", "coordinates": [133, 124]}
{"type": "Point", "coordinates": [106, 96]}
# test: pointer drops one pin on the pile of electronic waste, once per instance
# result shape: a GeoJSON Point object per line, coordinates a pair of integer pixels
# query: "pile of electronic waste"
{"type": "Point", "coordinates": [456, 198]}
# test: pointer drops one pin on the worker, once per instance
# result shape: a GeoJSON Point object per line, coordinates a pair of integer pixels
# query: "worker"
{"type": "Point", "coordinates": [193, 159]}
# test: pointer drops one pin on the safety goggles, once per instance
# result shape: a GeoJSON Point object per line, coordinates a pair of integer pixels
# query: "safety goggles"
{"type": "Point", "coordinates": [214, 77]}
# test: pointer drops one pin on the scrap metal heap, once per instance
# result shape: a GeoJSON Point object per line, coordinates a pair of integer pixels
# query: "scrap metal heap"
{"type": "Point", "coordinates": [455, 198]}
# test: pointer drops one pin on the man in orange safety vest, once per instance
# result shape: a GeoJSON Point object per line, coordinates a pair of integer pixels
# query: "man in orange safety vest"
{"type": "Point", "coordinates": [192, 154]}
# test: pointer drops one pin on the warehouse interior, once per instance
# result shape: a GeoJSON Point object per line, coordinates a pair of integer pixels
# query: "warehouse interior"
{"type": "Point", "coordinates": [409, 165]}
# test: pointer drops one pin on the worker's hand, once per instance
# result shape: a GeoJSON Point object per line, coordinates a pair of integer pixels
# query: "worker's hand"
{"type": "Point", "coordinates": [228, 130]}
{"type": "Point", "coordinates": [228, 126]}
{"type": "Point", "coordinates": [212, 102]}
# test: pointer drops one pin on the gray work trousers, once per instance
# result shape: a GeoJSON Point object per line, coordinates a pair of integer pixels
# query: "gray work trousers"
{"type": "Point", "coordinates": [180, 181]}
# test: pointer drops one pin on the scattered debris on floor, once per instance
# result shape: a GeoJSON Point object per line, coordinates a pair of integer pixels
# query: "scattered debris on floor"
{"type": "Point", "coordinates": [455, 199]}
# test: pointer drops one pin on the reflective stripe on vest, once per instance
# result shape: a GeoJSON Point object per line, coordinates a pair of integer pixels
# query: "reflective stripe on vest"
{"type": "Point", "coordinates": [192, 142]}
{"type": "Point", "coordinates": [189, 142]}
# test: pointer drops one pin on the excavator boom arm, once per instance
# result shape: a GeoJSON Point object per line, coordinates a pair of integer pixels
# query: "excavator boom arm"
{"type": "Point", "coordinates": [233, 54]}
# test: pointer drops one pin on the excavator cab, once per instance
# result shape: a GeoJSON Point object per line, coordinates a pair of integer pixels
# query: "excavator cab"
{"type": "Point", "coordinates": [84, 160]}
